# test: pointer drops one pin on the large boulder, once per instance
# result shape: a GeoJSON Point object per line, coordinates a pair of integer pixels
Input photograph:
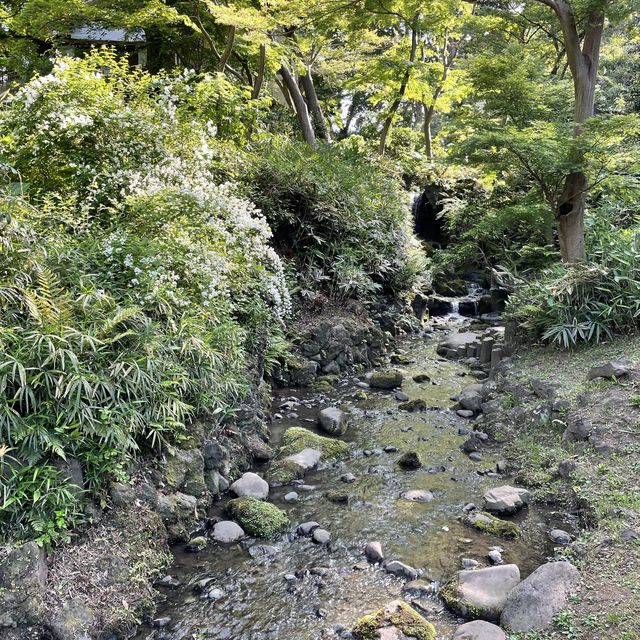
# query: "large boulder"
{"type": "Point", "coordinates": [505, 500]}
{"type": "Point", "coordinates": [23, 574]}
{"type": "Point", "coordinates": [333, 421]}
{"type": "Point", "coordinates": [471, 398]}
{"type": "Point", "coordinates": [396, 621]}
{"type": "Point", "coordinates": [479, 630]}
{"type": "Point", "coordinates": [609, 370]}
{"type": "Point", "coordinates": [179, 512]}
{"type": "Point", "coordinates": [536, 600]}
{"type": "Point", "coordinates": [481, 593]}
{"type": "Point", "coordinates": [184, 471]}
{"type": "Point", "coordinates": [388, 379]}
{"type": "Point", "coordinates": [252, 485]}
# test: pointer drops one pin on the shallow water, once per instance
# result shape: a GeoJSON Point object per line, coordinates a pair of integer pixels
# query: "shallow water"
{"type": "Point", "coordinates": [279, 598]}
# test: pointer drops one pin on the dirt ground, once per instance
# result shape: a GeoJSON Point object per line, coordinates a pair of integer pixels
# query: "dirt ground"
{"type": "Point", "coordinates": [598, 480]}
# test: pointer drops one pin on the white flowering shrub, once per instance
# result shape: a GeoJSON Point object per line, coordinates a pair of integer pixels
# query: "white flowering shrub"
{"type": "Point", "coordinates": [134, 287]}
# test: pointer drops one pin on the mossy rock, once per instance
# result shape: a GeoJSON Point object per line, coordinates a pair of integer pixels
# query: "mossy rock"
{"type": "Point", "coordinates": [446, 286]}
{"type": "Point", "coordinates": [284, 472]}
{"type": "Point", "coordinates": [413, 405]}
{"type": "Point", "coordinates": [322, 386]}
{"type": "Point", "coordinates": [295, 439]}
{"type": "Point", "coordinates": [338, 496]}
{"type": "Point", "coordinates": [256, 517]}
{"type": "Point", "coordinates": [410, 461]}
{"type": "Point", "coordinates": [397, 614]}
{"type": "Point", "coordinates": [487, 523]}
{"type": "Point", "coordinates": [387, 379]}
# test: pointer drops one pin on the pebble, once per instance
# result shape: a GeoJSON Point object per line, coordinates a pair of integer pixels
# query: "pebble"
{"type": "Point", "coordinates": [469, 563]}
{"type": "Point", "coordinates": [348, 478]}
{"type": "Point", "coordinates": [374, 553]}
{"type": "Point", "coordinates": [306, 487]}
{"type": "Point", "coordinates": [495, 557]}
{"type": "Point", "coordinates": [215, 594]}
{"type": "Point", "coordinates": [292, 496]}
{"type": "Point", "coordinates": [307, 528]}
{"type": "Point", "coordinates": [390, 449]}
{"type": "Point", "coordinates": [476, 456]}
{"type": "Point", "coordinates": [401, 396]}
{"type": "Point", "coordinates": [262, 550]}
{"type": "Point", "coordinates": [161, 622]}
{"type": "Point", "coordinates": [464, 413]}
{"type": "Point", "coordinates": [169, 581]}
{"type": "Point", "coordinates": [400, 569]}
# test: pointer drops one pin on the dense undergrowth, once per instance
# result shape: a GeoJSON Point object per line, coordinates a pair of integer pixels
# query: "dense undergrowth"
{"type": "Point", "coordinates": [137, 280]}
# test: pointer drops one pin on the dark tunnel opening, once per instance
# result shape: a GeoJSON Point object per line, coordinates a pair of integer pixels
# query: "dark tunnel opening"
{"type": "Point", "coordinates": [427, 223]}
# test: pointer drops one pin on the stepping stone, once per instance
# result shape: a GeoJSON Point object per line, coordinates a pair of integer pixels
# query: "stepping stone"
{"type": "Point", "coordinates": [481, 593]}
{"type": "Point", "coordinates": [506, 500]}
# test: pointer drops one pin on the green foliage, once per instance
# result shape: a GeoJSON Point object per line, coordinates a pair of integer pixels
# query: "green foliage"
{"type": "Point", "coordinates": [133, 287]}
{"type": "Point", "coordinates": [586, 302]}
{"type": "Point", "coordinates": [343, 220]}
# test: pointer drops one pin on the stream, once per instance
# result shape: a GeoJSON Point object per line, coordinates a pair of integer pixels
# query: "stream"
{"type": "Point", "coordinates": [306, 591]}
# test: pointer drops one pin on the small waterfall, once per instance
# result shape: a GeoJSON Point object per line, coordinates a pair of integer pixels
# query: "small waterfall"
{"type": "Point", "coordinates": [455, 307]}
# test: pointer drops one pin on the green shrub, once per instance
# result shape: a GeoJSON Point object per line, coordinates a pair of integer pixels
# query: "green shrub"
{"type": "Point", "coordinates": [134, 289]}
{"type": "Point", "coordinates": [342, 220]}
{"type": "Point", "coordinates": [586, 302]}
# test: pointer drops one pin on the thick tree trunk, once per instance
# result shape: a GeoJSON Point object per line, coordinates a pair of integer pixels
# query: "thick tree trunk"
{"type": "Point", "coordinates": [583, 58]}
{"type": "Point", "coordinates": [393, 109]}
{"type": "Point", "coordinates": [300, 106]}
{"type": "Point", "coordinates": [321, 128]}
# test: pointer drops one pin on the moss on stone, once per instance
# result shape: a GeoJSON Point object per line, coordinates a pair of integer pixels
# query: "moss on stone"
{"type": "Point", "coordinates": [284, 472]}
{"type": "Point", "coordinates": [397, 614]}
{"type": "Point", "coordinates": [413, 405]}
{"type": "Point", "coordinates": [338, 496]}
{"type": "Point", "coordinates": [487, 523]}
{"type": "Point", "coordinates": [256, 517]}
{"type": "Point", "coordinates": [387, 379]}
{"type": "Point", "coordinates": [296, 439]}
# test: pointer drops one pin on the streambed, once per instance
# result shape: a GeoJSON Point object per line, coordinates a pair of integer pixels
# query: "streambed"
{"type": "Point", "coordinates": [303, 591]}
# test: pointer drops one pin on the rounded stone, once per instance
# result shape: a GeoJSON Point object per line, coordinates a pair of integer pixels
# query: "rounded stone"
{"type": "Point", "coordinates": [227, 531]}
{"type": "Point", "coordinates": [479, 630]}
{"type": "Point", "coordinates": [251, 485]}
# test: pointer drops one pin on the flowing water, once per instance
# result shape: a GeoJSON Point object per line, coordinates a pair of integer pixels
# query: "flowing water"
{"type": "Point", "coordinates": [305, 591]}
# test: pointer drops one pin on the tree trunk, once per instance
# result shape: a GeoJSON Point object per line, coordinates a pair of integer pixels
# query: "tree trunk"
{"type": "Point", "coordinates": [226, 54]}
{"type": "Point", "coordinates": [428, 138]}
{"type": "Point", "coordinates": [393, 109]}
{"type": "Point", "coordinates": [257, 85]}
{"type": "Point", "coordinates": [319, 120]}
{"type": "Point", "coordinates": [583, 58]}
{"type": "Point", "coordinates": [344, 132]}
{"type": "Point", "coordinates": [300, 106]}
